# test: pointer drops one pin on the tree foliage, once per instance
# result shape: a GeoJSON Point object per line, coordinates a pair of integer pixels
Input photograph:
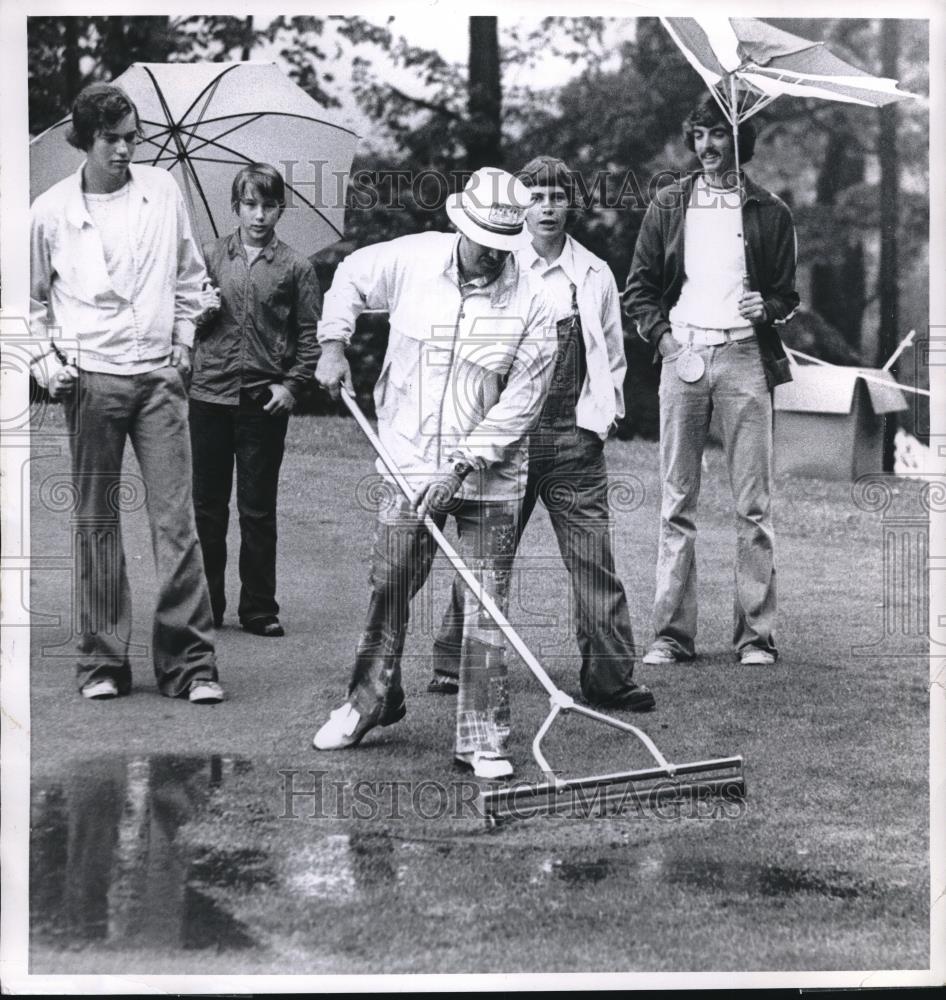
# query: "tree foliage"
{"type": "Point", "coordinates": [616, 119]}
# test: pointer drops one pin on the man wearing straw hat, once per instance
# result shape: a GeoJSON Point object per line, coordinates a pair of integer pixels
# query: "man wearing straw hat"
{"type": "Point", "coordinates": [710, 279]}
{"type": "Point", "coordinates": [466, 370]}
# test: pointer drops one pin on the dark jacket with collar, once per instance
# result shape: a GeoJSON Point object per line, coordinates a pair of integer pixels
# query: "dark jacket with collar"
{"type": "Point", "coordinates": [265, 330]}
{"type": "Point", "coordinates": [657, 271]}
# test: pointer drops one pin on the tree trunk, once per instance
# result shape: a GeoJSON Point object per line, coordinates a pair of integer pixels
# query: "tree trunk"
{"type": "Point", "coordinates": [483, 144]}
{"type": "Point", "coordinates": [70, 58]}
{"type": "Point", "coordinates": [888, 292]}
{"type": "Point", "coordinates": [132, 39]}
{"type": "Point", "coordinates": [248, 38]}
{"type": "Point", "coordinates": [838, 289]}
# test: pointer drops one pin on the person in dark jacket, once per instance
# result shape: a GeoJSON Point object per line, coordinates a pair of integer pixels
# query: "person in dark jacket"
{"type": "Point", "coordinates": [710, 280]}
{"type": "Point", "coordinates": [256, 353]}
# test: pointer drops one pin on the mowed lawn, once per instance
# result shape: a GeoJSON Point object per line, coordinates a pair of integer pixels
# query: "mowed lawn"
{"type": "Point", "coordinates": [825, 867]}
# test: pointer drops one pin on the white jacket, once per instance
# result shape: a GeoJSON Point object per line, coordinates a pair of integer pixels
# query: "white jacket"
{"type": "Point", "coordinates": [462, 377]}
{"type": "Point", "coordinates": [70, 286]}
{"type": "Point", "coordinates": [601, 402]}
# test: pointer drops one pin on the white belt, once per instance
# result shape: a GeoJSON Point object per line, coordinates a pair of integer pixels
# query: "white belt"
{"type": "Point", "coordinates": [701, 336]}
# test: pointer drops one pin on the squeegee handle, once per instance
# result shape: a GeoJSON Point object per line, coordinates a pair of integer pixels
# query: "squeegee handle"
{"type": "Point", "coordinates": [489, 605]}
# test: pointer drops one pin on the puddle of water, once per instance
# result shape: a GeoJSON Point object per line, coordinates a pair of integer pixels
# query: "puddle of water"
{"type": "Point", "coordinates": [710, 875]}
{"type": "Point", "coordinates": [343, 867]}
{"type": "Point", "coordinates": [578, 872]}
{"type": "Point", "coordinates": [107, 864]}
{"type": "Point", "coordinates": [164, 852]}
{"type": "Point", "coordinates": [754, 878]}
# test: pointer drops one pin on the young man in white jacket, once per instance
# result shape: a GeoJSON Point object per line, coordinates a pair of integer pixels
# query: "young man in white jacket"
{"type": "Point", "coordinates": [567, 469]}
{"type": "Point", "coordinates": [468, 362]}
{"type": "Point", "coordinates": [116, 274]}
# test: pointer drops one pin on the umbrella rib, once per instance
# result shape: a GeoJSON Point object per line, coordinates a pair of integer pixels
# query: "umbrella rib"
{"type": "Point", "coordinates": [282, 114]}
{"type": "Point", "coordinates": [214, 83]}
{"type": "Point", "coordinates": [317, 211]}
{"type": "Point", "coordinates": [185, 165]}
{"type": "Point", "coordinates": [241, 157]}
{"type": "Point", "coordinates": [214, 141]}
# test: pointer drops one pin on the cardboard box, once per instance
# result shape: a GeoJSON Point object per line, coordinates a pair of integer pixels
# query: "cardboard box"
{"type": "Point", "coordinates": [829, 421]}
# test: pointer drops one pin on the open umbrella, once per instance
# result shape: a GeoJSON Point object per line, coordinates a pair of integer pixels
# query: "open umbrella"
{"type": "Point", "coordinates": [747, 63]}
{"type": "Point", "coordinates": [203, 121]}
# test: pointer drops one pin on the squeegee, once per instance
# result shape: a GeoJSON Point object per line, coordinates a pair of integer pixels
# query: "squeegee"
{"type": "Point", "coordinates": [612, 792]}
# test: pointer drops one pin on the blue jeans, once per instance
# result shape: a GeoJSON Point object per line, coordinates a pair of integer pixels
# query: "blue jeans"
{"type": "Point", "coordinates": [734, 385]}
{"type": "Point", "coordinates": [256, 441]}
{"type": "Point", "coordinates": [400, 564]}
{"type": "Point", "coordinates": [567, 472]}
{"type": "Point", "coordinates": [151, 410]}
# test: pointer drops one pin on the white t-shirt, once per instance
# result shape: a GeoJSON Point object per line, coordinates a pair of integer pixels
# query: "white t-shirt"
{"type": "Point", "coordinates": [252, 253]}
{"type": "Point", "coordinates": [713, 260]}
{"type": "Point", "coordinates": [109, 214]}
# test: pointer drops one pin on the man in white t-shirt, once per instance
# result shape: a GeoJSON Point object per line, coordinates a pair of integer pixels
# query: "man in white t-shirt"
{"type": "Point", "coordinates": [115, 287]}
{"type": "Point", "coordinates": [709, 281]}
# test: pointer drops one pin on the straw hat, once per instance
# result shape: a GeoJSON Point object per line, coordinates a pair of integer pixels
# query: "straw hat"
{"type": "Point", "coordinates": [491, 209]}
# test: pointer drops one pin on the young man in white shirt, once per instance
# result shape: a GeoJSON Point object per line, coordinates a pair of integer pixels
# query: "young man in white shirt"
{"type": "Point", "coordinates": [116, 276]}
{"type": "Point", "coordinates": [710, 279]}
{"type": "Point", "coordinates": [567, 470]}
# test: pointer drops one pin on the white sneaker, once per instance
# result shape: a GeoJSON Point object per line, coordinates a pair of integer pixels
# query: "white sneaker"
{"type": "Point", "coordinates": [659, 655]}
{"type": "Point", "coordinates": [100, 690]}
{"type": "Point", "coordinates": [205, 692]}
{"type": "Point", "coordinates": [755, 657]}
{"type": "Point", "coordinates": [485, 763]}
{"type": "Point", "coordinates": [342, 729]}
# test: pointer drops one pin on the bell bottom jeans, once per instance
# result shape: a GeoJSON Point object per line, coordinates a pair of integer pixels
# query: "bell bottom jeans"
{"type": "Point", "coordinates": [150, 410]}
{"type": "Point", "coordinates": [734, 385]}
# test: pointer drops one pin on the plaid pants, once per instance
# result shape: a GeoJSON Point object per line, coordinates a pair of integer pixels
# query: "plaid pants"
{"type": "Point", "coordinates": [402, 556]}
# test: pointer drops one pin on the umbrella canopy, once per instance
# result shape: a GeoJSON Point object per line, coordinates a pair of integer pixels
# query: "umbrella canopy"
{"type": "Point", "coordinates": [750, 59]}
{"type": "Point", "coordinates": [203, 121]}
{"type": "Point", "coordinates": [747, 63]}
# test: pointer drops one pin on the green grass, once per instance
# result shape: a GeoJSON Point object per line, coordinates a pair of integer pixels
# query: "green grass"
{"type": "Point", "coordinates": [825, 868]}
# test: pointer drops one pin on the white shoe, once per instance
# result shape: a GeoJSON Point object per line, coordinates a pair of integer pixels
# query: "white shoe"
{"type": "Point", "coordinates": [755, 657]}
{"type": "Point", "coordinates": [204, 692]}
{"type": "Point", "coordinates": [100, 690]}
{"type": "Point", "coordinates": [659, 655]}
{"type": "Point", "coordinates": [485, 763]}
{"type": "Point", "coordinates": [341, 730]}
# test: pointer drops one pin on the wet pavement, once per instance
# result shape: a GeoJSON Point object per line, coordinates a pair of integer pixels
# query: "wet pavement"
{"type": "Point", "coordinates": [151, 859]}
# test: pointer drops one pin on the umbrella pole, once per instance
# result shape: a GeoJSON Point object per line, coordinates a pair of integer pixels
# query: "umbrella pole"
{"type": "Point", "coordinates": [734, 121]}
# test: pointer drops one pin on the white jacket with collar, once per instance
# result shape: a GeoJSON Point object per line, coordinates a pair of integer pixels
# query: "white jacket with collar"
{"type": "Point", "coordinates": [70, 284]}
{"type": "Point", "coordinates": [601, 402]}
{"type": "Point", "coordinates": [462, 376]}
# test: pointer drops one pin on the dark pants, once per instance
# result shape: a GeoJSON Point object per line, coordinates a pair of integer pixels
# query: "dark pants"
{"type": "Point", "coordinates": [567, 473]}
{"type": "Point", "coordinates": [220, 434]}
{"type": "Point", "coordinates": [151, 410]}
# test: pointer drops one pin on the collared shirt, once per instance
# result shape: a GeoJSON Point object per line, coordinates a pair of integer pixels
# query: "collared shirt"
{"type": "Point", "coordinates": [559, 275]}
{"type": "Point", "coordinates": [265, 329]}
{"type": "Point", "coordinates": [464, 376]}
{"type": "Point", "coordinates": [601, 397]}
{"type": "Point", "coordinates": [71, 288]}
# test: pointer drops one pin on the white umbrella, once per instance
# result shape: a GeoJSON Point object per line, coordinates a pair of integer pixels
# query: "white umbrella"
{"type": "Point", "coordinates": [203, 121]}
{"type": "Point", "coordinates": [747, 64]}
